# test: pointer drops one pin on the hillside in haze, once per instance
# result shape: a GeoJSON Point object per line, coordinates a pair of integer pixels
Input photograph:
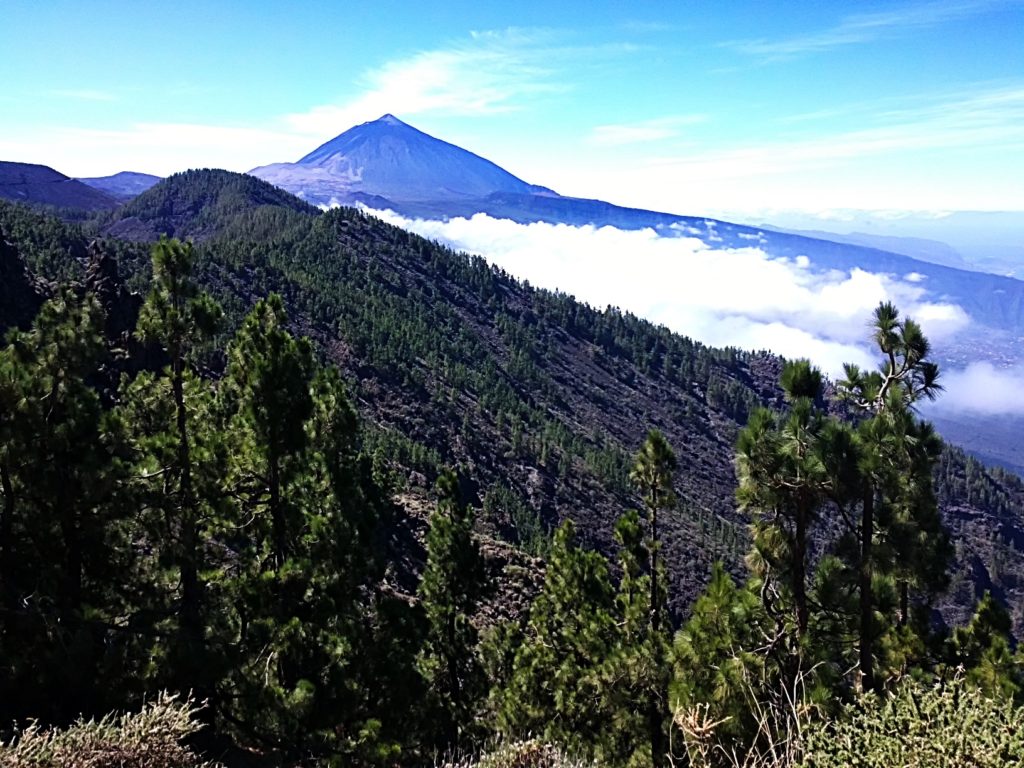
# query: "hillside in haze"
{"type": "Point", "coordinates": [984, 241]}
{"type": "Point", "coordinates": [539, 399]}
{"type": "Point", "coordinates": [124, 185]}
{"type": "Point", "coordinates": [40, 185]}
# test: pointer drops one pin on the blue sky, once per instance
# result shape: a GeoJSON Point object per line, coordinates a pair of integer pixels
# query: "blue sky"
{"type": "Point", "coordinates": [683, 106]}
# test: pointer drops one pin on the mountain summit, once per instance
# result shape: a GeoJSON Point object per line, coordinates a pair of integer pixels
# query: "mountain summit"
{"type": "Point", "coordinates": [387, 158]}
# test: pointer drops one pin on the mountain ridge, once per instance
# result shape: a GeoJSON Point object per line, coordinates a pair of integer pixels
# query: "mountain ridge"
{"type": "Point", "coordinates": [993, 300]}
{"type": "Point", "coordinates": [42, 185]}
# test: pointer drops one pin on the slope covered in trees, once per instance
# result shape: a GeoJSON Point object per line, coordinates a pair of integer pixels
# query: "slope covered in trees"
{"type": "Point", "coordinates": [190, 503]}
{"type": "Point", "coordinates": [541, 398]}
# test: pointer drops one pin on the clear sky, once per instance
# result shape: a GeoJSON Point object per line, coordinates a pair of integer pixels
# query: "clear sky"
{"type": "Point", "coordinates": [691, 107]}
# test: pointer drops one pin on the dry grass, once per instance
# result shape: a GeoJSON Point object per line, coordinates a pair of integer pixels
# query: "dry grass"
{"type": "Point", "coordinates": [151, 738]}
{"type": "Point", "coordinates": [521, 754]}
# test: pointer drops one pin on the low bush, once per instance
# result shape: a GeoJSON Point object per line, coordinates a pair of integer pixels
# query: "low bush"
{"type": "Point", "coordinates": [948, 725]}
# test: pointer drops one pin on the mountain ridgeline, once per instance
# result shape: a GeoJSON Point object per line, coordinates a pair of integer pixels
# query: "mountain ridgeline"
{"type": "Point", "coordinates": [387, 159]}
{"type": "Point", "coordinates": [41, 185]}
{"type": "Point", "coordinates": [122, 186]}
{"type": "Point", "coordinates": [539, 399]}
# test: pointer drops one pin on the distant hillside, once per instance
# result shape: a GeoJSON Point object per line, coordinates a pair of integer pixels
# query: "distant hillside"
{"type": "Point", "coordinates": [539, 399]}
{"type": "Point", "coordinates": [922, 249]}
{"type": "Point", "coordinates": [41, 185]}
{"type": "Point", "coordinates": [197, 204]}
{"type": "Point", "coordinates": [124, 185]}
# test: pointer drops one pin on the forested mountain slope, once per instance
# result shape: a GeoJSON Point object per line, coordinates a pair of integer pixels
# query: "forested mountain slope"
{"type": "Point", "coordinates": [539, 399]}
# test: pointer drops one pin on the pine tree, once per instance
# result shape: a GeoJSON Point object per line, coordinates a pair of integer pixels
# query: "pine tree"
{"type": "Point", "coordinates": [783, 481]}
{"type": "Point", "coordinates": [62, 532]}
{"type": "Point", "coordinates": [450, 589]}
{"type": "Point", "coordinates": [637, 670]}
{"type": "Point", "coordinates": [556, 689]}
{"type": "Point", "coordinates": [983, 648]}
{"type": "Point", "coordinates": [271, 373]}
{"type": "Point", "coordinates": [652, 476]}
{"type": "Point", "coordinates": [179, 317]}
{"type": "Point", "coordinates": [893, 450]}
{"type": "Point", "coordinates": [716, 662]}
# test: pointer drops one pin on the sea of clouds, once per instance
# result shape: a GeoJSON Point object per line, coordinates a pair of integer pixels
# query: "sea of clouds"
{"type": "Point", "coordinates": [741, 297]}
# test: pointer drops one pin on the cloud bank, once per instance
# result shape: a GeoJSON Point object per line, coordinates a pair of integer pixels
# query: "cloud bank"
{"type": "Point", "coordinates": [740, 297]}
{"type": "Point", "coordinates": [983, 389]}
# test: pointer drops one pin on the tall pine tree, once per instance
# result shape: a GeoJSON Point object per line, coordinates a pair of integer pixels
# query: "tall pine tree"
{"type": "Point", "coordinates": [897, 454]}
{"type": "Point", "coordinates": [180, 318]}
{"type": "Point", "coordinates": [652, 476]}
{"type": "Point", "coordinates": [557, 688]}
{"type": "Point", "coordinates": [450, 589]}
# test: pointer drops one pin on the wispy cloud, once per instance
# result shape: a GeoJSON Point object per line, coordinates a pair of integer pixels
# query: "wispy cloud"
{"type": "Point", "coordinates": [865, 27]}
{"type": "Point", "coordinates": [952, 150]}
{"type": "Point", "coordinates": [486, 73]}
{"type": "Point", "coordinates": [642, 132]}
{"type": "Point", "coordinates": [491, 72]}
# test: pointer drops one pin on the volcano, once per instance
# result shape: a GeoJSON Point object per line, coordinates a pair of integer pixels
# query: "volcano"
{"type": "Point", "coordinates": [389, 159]}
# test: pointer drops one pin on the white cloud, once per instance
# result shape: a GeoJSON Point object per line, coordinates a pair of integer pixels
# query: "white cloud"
{"type": "Point", "coordinates": [643, 131]}
{"type": "Point", "coordinates": [983, 389]}
{"type": "Point", "coordinates": [722, 296]}
{"type": "Point", "coordinates": [490, 73]}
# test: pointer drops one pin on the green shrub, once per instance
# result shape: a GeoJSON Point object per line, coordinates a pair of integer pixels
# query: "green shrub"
{"type": "Point", "coordinates": [948, 725]}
